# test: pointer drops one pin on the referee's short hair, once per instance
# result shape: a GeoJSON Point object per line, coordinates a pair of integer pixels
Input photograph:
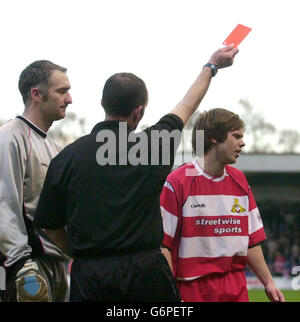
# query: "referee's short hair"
{"type": "Point", "coordinates": [122, 93]}
{"type": "Point", "coordinates": [216, 123]}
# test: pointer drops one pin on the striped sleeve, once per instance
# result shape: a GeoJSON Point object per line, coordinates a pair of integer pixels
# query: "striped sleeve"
{"type": "Point", "coordinates": [256, 229]}
{"type": "Point", "coordinates": [170, 211]}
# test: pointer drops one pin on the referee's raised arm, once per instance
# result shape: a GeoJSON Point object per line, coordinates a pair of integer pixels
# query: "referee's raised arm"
{"type": "Point", "coordinates": [220, 59]}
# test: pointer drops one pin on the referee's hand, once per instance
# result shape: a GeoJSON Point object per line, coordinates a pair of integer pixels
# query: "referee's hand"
{"type": "Point", "coordinates": [224, 57]}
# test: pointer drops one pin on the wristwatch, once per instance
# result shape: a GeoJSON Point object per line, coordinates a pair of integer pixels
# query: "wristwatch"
{"type": "Point", "coordinates": [214, 68]}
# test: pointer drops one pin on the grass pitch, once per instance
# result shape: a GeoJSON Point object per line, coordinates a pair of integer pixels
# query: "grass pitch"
{"type": "Point", "coordinates": [260, 296]}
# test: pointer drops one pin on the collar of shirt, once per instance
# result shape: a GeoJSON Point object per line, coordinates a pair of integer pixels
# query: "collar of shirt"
{"type": "Point", "coordinates": [201, 172]}
{"type": "Point", "coordinates": [112, 124]}
{"type": "Point", "coordinates": [32, 125]}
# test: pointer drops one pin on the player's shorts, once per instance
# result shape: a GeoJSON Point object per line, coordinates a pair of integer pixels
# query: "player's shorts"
{"type": "Point", "coordinates": [136, 277]}
{"type": "Point", "coordinates": [229, 287]}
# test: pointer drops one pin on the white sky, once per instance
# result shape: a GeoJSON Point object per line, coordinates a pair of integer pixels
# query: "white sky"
{"type": "Point", "coordinates": [165, 42]}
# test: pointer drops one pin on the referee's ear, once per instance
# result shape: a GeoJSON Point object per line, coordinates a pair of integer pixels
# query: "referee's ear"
{"type": "Point", "coordinates": [137, 115]}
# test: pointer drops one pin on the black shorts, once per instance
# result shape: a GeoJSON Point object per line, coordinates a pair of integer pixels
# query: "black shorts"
{"type": "Point", "coordinates": [139, 277]}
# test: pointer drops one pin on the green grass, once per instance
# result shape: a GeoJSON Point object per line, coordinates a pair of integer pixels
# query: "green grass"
{"type": "Point", "coordinates": [260, 296]}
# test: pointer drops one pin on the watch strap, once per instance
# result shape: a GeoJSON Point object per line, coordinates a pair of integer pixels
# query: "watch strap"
{"type": "Point", "coordinates": [214, 68]}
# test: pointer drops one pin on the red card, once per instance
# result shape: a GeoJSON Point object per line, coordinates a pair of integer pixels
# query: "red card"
{"type": "Point", "coordinates": [237, 35]}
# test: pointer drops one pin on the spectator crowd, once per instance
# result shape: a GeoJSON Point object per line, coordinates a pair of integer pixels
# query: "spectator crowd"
{"type": "Point", "coordinates": [282, 246]}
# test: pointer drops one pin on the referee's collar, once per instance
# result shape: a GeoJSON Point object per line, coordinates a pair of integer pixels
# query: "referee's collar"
{"type": "Point", "coordinates": [104, 125]}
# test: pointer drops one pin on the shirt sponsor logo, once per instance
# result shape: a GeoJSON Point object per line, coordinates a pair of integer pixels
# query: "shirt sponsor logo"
{"type": "Point", "coordinates": [222, 222]}
{"type": "Point", "coordinates": [198, 205]}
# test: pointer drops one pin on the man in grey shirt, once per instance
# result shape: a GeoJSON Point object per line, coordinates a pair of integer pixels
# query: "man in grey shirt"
{"type": "Point", "coordinates": [34, 265]}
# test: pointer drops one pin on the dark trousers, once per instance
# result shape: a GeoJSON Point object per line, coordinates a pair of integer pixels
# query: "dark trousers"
{"type": "Point", "coordinates": [139, 277]}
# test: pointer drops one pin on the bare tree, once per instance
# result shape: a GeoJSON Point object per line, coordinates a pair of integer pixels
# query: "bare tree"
{"type": "Point", "coordinates": [69, 129]}
{"type": "Point", "coordinates": [261, 132]}
{"type": "Point", "coordinates": [289, 141]}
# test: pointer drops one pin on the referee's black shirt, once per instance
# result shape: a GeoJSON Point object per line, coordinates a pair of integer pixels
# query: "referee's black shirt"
{"type": "Point", "coordinates": [107, 209]}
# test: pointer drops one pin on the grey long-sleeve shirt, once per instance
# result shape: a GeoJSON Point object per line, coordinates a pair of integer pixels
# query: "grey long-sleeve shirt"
{"type": "Point", "coordinates": [25, 154]}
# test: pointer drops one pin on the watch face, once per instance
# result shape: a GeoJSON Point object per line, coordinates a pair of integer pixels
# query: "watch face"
{"type": "Point", "coordinates": [214, 69]}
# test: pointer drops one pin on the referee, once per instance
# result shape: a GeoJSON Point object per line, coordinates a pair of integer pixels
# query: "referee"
{"type": "Point", "coordinates": [103, 208]}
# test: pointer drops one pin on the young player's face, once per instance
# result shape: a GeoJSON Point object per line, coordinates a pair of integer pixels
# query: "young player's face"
{"type": "Point", "coordinates": [229, 150]}
{"type": "Point", "coordinates": [58, 97]}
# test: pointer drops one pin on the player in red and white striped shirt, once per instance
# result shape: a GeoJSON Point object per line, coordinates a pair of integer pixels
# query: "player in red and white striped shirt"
{"type": "Point", "coordinates": [212, 225]}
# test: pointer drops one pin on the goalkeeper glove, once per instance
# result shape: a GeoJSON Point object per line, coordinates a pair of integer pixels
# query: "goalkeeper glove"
{"type": "Point", "coordinates": [31, 286]}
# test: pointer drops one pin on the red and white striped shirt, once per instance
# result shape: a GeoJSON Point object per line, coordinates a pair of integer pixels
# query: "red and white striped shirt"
{"type": "Point", "coordinates": [209, 223]}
